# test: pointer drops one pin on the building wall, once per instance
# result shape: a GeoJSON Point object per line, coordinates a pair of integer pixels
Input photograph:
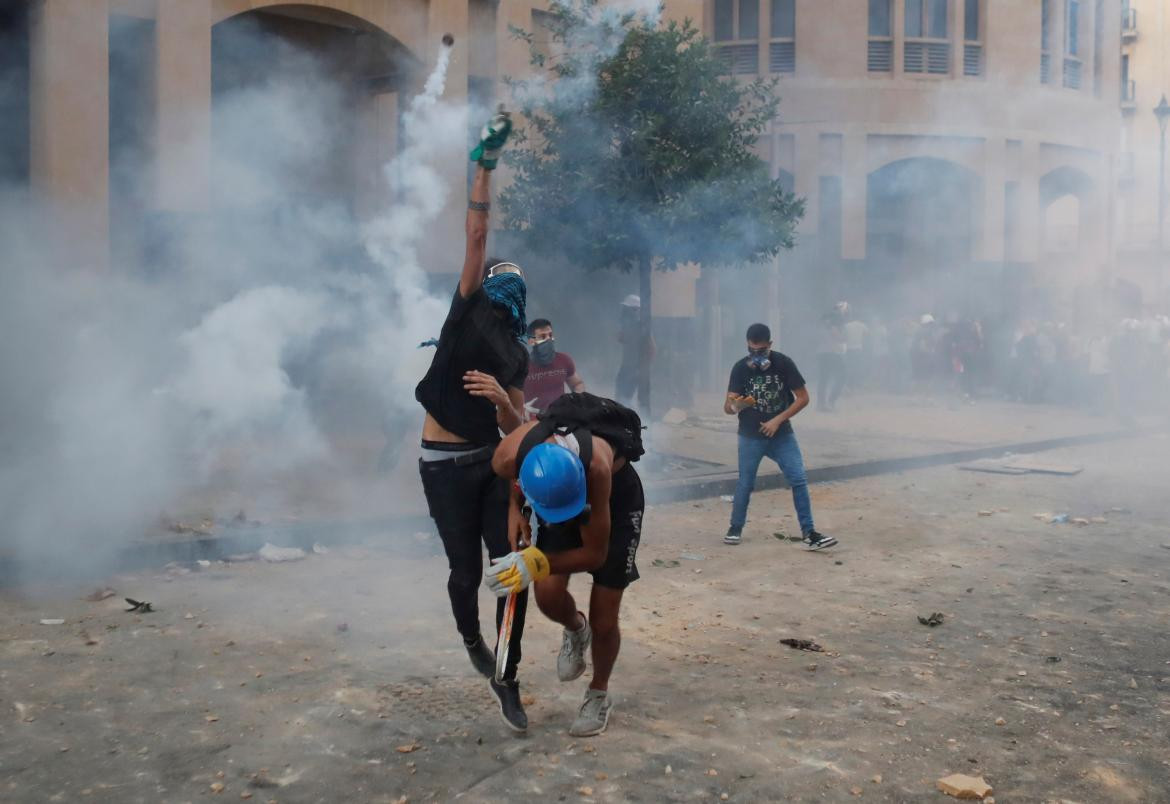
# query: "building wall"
{"type": "Point", "coordinates": [840, 121]}
{"type": "Point", "coordinates": [1144, 49]}
{"type": "Point", "coordinates": [839, 118]}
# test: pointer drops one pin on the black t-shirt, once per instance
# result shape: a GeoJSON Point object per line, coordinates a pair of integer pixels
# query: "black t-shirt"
{"type": "Point", "coordinates": [473, 338]}
{"type": "Point", "coordinates": [773, 389]}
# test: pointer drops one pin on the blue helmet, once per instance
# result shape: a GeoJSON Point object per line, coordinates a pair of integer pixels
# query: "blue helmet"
{"type": "Point", "coordinates": [553, 480]}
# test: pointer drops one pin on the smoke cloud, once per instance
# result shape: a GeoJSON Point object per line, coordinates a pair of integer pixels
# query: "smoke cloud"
{"type": "Point", "coordinates": [240, 351]}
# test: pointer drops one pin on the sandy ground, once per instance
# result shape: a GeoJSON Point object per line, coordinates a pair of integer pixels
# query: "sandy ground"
{"type": "Point", "coordinates": [340, 677]}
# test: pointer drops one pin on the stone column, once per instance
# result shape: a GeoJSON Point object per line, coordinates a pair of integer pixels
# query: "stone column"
{"type": "Point", "coordinates": [1030, 223]}
{"type": "Point", "coordinates": [451, 16]}
{"type": "Point", "coordinates": [853, 196]}
{"type": "Point", "coordinates": [991, 240]}
{"type": "Point", "coordinates": [69, 127]}
{"type": "Point", "coordinates": [806, 177]}
{"type": "Point", "coordinates": [183, 70]}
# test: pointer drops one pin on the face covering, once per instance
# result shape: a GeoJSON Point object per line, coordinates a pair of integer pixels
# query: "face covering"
{"type": "Point", "coordinates": [508, 292]}
{"type": "Point", "coordinates": [758, 361]}
{"type": "Point", "coordinates": [544, 352]}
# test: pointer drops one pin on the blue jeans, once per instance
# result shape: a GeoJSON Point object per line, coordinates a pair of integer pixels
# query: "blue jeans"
{"type": "Point", "coordinates": [783, 449]}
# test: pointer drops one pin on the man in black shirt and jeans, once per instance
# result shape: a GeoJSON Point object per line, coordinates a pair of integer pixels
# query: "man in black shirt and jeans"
{"type": "Point", "coordinates": [766, 390]}
{"type": "Point", "coordinates": [474, 389]}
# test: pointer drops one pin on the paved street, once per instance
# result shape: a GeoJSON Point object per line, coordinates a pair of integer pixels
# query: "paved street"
{"type": "Point", "coordinates": [340, 677]}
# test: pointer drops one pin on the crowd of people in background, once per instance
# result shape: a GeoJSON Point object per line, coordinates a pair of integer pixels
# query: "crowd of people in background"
{"type": "Point", "coordinates": [1121, 367]}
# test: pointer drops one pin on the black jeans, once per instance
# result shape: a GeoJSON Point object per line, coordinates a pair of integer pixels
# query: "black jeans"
{"type": "Point", "coordinates": [470, 503]}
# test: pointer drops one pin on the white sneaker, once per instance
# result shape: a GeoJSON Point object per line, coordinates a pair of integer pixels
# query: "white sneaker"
{"type": "Point", "coordinates": [571, 659]}
{"type": "Point", "coordinates": [593, 716]}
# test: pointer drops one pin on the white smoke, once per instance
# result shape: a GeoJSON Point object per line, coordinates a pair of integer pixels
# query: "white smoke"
{"type": "Point", "coordinates": [128, 395]}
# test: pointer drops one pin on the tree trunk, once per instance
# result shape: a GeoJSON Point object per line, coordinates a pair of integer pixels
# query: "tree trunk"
{"type": "Point", "coordinates": [645, 335]}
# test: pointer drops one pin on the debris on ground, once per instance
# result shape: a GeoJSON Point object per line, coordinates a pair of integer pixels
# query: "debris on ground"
{"type": "Point", "coordinates": [986, 513]}
{"type": "Point", "coordinates": [727, 498]}
{"type": "Point", "coordinates": [962, 786]}
{"type": "Point", "coordinates": [408, 748]}
{"type": "Point", "coordinates": [1079, 520]}
{"type": "Point", "coordinates": [691, 557]}
{"type": "Point", "coordinates": [1058, 519]}
{"type": "Point", "coordinates": [53, 621]}
{"type": "Point", "coordinates": [1020, 466]}
{"type": "Point", "coordinates": [674, 416]}
{"type": "Point", "coordinates": [320, 549]}
{"type": "Point", "coordinates": [139, 606]}
{"type": "Point", "coordinates": [99, 594]}
{"type": "Point", "coordinates": [343, 627]}
{"type": "Point", "coordinates": [935, 618]}
{"type": "Point", "coordinates": [668, 563]}
{"type": "Point", "coordinates": [1052, 659]}
{"type": "Point", "coordinates": [204, 528]}
{"type": "Point", "coordinates": [273, 554]}
{"type": "Point", "coordinates": [802, 644]}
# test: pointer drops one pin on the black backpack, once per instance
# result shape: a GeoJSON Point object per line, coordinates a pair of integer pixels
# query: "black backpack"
{"type": "Point", "coordinates": [586, 415]}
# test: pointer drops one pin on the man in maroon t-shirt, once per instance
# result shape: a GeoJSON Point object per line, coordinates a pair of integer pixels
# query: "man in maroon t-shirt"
{"type": "Point", "coordinates": [549, 371]}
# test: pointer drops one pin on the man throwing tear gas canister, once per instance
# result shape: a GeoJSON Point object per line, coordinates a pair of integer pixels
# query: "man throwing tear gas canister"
{"type": "Point", "coordinates": [472, 391]}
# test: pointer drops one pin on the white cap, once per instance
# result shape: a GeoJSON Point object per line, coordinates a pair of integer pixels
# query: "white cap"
{"type": "Point", "coordinates": [926, 319]}
{"type": "Point", "coordinates": [633, 300]}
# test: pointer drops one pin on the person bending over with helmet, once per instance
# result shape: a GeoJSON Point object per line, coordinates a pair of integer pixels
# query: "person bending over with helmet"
{"type": "Point", "coordinates": [474, 389]}
{"type": "Point", "coordinates": [574, 469]}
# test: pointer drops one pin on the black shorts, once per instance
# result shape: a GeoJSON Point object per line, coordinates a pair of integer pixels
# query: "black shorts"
{"type": "Point", "coordinates": [626, 506]}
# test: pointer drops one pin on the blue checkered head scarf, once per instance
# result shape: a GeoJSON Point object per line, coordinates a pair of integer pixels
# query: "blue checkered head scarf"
{"type": "Point", "coordinates": [509, 293]}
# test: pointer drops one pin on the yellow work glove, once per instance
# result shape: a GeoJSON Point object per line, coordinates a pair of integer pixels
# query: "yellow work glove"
{"type": "Point", "coordinates": [515, 571]}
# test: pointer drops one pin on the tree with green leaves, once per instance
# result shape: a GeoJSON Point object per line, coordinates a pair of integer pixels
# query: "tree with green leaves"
{"type": "Point", "coordinates": [637, 152]}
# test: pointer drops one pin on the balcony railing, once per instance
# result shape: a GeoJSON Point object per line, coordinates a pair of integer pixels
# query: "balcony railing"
{"type": "Point", "coordinates": [1045, 68]}
{"type": "Point", "coordinates": [881, 56]}
{"type": "Point", "coordinates": [1129, 29]}
{"type": "Point", "coordinates": [972, 59]}
{"type": "Point", "coordinates": [932, 57]}
{"type": "Point", "coordinates": [739, 59]}
{"type": "Point", "coordinates": [1072, 73]}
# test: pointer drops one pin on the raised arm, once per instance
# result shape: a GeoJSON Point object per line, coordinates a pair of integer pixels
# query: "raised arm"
{"type": "Point", "coordinates": [486, 155]}
{"type": "Point", "coordinates": [476, 228]}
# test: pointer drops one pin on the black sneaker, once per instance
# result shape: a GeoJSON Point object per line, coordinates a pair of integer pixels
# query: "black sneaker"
{"type": "Point", "coordinates": [734, 535]}
{"type": "Point", "coordinates": [508, 694]}
{"type": "Point", "coordinates": [482, 658]}
{"type": "Point", "coordinates": [817, 541]}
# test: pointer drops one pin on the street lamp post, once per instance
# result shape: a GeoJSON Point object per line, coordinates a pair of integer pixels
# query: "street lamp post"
{"type": "Point", "coordinates": [1162, 112]}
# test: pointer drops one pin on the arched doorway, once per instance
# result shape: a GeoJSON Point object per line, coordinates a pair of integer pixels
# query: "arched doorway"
{"type": "Point", "coordinates": [1065, 204]}
{"type": "Point", "coordinates": [304, 109]}
{"type": "Point", "coordinates": [921, 223]}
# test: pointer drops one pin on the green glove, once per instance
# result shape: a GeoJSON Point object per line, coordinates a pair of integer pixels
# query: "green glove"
{"type": "Point", "coordinates": [492, 138]}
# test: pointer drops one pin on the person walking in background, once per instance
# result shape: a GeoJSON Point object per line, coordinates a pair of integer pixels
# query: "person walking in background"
{"type": "Point", "coordinates": [831, 358]}
{"type": "Point", "coordinates": [766, 390]}
{"type": "Point", "coordinates": [550, 371]}
{"type": "Point", "coordinates": [856, 360]}
{"type": "Point", "coordinates": [635, 351]}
